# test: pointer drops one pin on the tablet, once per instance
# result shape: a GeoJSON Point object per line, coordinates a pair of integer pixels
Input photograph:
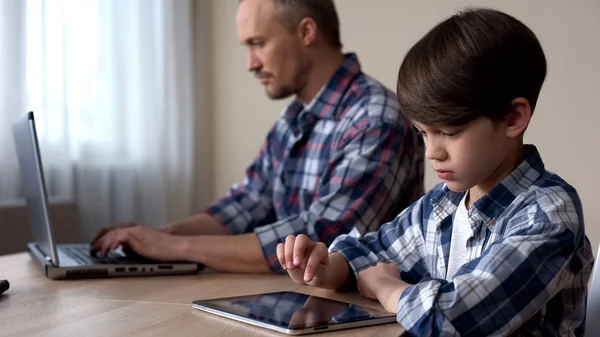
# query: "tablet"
{"type": "Point", "coordinates": [294, 313]}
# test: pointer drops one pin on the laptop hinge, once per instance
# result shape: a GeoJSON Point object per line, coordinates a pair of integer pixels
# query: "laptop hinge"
{"type": "Point", "coordinates": [41, 255]}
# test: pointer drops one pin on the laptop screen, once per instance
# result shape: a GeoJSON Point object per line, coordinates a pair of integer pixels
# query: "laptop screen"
{"type": "Point", "coordinates": [34, 187]}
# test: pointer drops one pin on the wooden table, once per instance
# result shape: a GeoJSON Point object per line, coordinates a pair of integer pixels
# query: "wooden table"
{"type": "Point", "coordinates": [140, 306]}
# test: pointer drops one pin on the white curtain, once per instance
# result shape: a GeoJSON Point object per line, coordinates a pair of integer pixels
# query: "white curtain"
{"type": "Point", "coordinates": [111, 84]}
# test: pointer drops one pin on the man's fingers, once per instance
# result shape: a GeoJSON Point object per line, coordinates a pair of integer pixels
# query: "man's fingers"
{"type": "Point", "coordinates": [289, 251]}
{"type": "Point", "coordinates": [108, 229]}
{"type": "Point", "coordinates": [95, 245]}
{"type": "Point", "coordinates": [104, 244]}
{"type": "Point", "coordinates": [100, 234]}
{"type": "Point", "coordinates": [113, 239]}
{"type": "Point", "coordinates": [103, 248]}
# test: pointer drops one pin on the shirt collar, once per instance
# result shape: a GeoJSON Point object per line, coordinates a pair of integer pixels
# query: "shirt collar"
{"type": "Point", "coordinates": [494, 203]}
{"type": "Point", "coordinates": [326, 102]}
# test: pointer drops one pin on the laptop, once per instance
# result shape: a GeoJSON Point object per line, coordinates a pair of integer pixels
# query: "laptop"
{"type": "Point", "coordinates": [71, 261]}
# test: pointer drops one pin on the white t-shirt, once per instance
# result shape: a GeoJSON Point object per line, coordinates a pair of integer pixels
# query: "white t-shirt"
{"type": "Point", "coordinates": [461, 232]}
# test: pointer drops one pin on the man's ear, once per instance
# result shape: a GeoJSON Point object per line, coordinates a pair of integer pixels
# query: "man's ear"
{"type": "Point", "coordinates": [518, 118]}
{"type": "Point", "coordinates": [307, 31]}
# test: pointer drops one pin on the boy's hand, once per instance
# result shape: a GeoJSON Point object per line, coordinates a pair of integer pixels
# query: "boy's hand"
{"type": "Point", "coordinates": [382, 283]}
{"type": "Point", "coordinates": [306, 261]}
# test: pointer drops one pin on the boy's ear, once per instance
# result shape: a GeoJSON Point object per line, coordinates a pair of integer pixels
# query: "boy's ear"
{"type": "Point", "coordinates": [517, 120]}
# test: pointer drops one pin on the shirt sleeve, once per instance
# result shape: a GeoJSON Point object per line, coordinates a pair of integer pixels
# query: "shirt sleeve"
{"type": "Point", "coordinates": [399, 241]}
{"type": "Point", "coordinates": [493, 294]}
{"type": "Point", "coordinates": [359, 187]}
{"type": "Point", "coordinates": [500, 290]}
{"type": "Point", "coordinates": [249, 204]}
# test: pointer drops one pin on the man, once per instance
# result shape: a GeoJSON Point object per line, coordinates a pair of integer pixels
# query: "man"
{"type": "Point", "coordinates": [341, 159]}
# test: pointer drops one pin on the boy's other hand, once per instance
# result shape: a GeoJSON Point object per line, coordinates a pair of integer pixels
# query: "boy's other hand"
{"type": "Point", "coordinates": [306, 261]}
{"type": "Point", "coordinates": [382, 283]}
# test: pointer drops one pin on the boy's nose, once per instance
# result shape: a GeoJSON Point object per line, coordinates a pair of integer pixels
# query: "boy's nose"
{"type": "Point", "coordinates": [435, 152]}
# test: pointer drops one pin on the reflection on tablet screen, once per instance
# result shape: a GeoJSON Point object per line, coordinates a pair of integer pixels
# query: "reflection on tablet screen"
{"type": "Point", "coordinates": [294, 310]}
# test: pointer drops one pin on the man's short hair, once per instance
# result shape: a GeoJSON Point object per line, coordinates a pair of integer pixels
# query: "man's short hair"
{"type": "Point", "coordinates": [322, 11]}
{"type": "Point", "coordinates": [472, 64]}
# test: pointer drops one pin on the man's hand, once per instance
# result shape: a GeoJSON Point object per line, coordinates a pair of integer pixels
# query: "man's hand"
{"type": "Point", "coordinates": [105, 230]}
{"type": "Point", "coordinates": [382, 283]}
{"type": "Point", "coordinates": [306, 261]}
{"type": "Point", "coordinates": [150, 243]}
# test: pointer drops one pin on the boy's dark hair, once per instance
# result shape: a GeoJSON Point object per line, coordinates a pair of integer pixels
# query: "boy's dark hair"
{"type": "Point", "coordinates": [472, 64]}
{"type": "Point", "coordinates": [322, 11]}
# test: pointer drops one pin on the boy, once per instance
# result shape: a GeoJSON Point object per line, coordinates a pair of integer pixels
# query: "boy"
{"type": "Point", "coordinates": [499, 247]}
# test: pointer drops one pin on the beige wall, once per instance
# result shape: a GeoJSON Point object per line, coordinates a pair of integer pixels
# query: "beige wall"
{"type": "Point", "coordinates": [15, 232]}
{"type": "Point", "coordinates": [565, 127]}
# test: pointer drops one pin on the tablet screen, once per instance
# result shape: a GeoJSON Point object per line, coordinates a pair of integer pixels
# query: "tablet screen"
{"type": "Point", "coordinates": [291, 310]}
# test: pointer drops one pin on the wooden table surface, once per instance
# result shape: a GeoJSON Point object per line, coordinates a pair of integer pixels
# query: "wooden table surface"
{"type": "Point", "coordinates": [141, 306]}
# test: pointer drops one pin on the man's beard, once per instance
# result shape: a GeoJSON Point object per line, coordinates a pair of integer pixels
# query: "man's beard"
{"type": "Point", "coordinates": [281, 91]}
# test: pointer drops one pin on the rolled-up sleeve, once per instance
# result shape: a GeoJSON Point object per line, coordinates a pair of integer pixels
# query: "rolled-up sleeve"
{"type": "Point", "coordinates": [249, 204]}
{"type": "Point", "coordinates": [495, 293]}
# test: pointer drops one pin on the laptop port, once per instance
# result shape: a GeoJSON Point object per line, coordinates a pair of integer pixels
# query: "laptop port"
{"type": "Point", "coordinates": [119, 269]}
{"type": "Point", "coordinates": [133, 269]}
{"type": "Point", "coordinates": [165, 267]}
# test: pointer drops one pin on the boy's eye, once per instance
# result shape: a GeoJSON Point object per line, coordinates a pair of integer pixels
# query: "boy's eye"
{"type": "Point", "coordinates": [450, 134]}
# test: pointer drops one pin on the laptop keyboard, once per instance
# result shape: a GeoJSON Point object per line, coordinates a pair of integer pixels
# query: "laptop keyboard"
{"type": "Point", "coordinates": [79, 255]}
{"type": "Point", "coordinates": [74, 255]}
